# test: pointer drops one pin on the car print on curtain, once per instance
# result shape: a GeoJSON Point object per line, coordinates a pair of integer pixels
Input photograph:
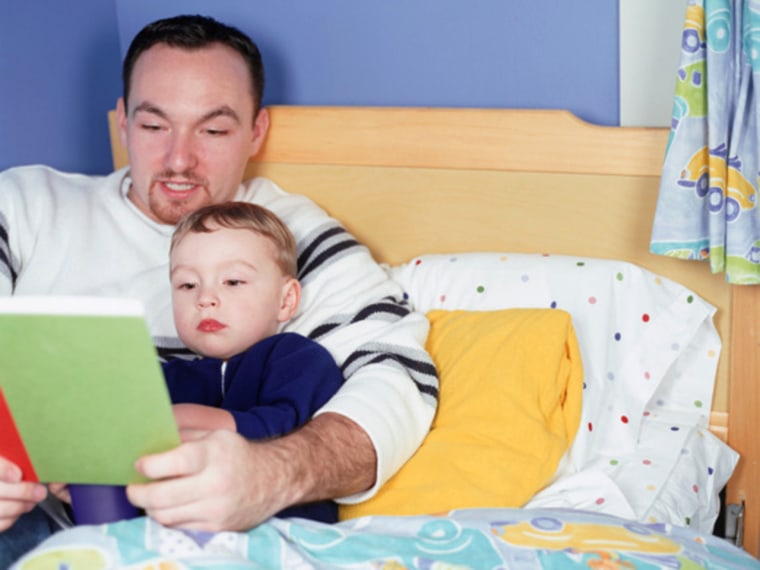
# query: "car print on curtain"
{"type": "Point", "coordinates": [707, 206]}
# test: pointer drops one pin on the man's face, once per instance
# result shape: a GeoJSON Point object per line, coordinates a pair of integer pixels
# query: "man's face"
{"type": "Point", "coordinates": [189, 129]}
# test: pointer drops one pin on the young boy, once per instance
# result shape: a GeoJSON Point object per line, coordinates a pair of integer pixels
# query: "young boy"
{"type": "Point", "coordinates": [233, 280]}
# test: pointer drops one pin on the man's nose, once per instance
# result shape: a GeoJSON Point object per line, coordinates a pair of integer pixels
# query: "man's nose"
{"type": "Point", "coordinates": [182, 155]}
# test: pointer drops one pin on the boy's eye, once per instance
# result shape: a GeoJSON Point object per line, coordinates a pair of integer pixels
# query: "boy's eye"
{"type": "Point", "coordinates": [234, 282]}
{"type": "Point", "coordinates": [186, 286]}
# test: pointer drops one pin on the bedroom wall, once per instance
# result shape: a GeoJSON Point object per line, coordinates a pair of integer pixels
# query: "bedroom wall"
{"type": "Point", "coordinates": [60, 63]}
{"type": "Point", "coordinates": [58, 73]}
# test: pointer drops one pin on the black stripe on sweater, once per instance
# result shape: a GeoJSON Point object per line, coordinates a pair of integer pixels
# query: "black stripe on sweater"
{"type": "Point", "coordinates": [4, 258]}
{"type": "Point", "coordinates": [388, 307]}
{"type": "Point", "coordinates": [310, 260]}
{"type": "Point", "coordinates": [418, 366]}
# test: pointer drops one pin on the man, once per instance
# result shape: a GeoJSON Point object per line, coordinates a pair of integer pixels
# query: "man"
{"type": "Point", "coordinates": [191, 117]}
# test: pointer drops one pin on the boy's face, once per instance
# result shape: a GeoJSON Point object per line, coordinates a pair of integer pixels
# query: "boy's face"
{"type": "Point", "coordinates": [189, 129]}
{"type": "Point", "coordinates": [228, 292]}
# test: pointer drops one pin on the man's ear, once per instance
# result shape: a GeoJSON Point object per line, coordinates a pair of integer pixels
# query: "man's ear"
{"type": "Point", "coordinates": [291, 297]}
{"type": "Point", "coordinates": [260, 130]}
{"type": "Point", "coordinates": [121, 121]}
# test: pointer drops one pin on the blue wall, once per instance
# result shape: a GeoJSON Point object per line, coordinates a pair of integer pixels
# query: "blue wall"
{"type": "Point", "coordinates": [59, 73]}
{"type": "Point", "coordinates": [60, 78]}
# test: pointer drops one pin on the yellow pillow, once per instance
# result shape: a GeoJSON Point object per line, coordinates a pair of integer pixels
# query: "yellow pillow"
{"type": "Point", "coordinates": [510, 404]}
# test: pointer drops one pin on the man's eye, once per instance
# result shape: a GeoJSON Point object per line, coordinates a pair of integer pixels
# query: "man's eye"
{"type": "Point", "coordinates": [150, 127]}
{"type": "Point", "coordinates": [217, 132]}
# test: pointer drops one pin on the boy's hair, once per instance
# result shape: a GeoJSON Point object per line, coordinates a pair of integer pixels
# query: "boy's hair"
{"type": "Point", "coordinates": [243, 216]}
{"type": "Point", "coordinates": [196, 32]}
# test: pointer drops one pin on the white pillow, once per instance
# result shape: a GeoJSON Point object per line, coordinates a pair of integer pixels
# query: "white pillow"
{"type": "Point", "coordinates": [649, 346]}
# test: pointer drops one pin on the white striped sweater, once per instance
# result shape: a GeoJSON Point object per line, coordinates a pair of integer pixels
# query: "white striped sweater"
{"type": "Point", "coordinates": [69, 234]}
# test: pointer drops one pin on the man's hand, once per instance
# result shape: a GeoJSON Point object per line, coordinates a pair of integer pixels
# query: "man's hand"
{"type": "Point", "coordinates": [214, 481]}
{"type": "Point", "coordinates": [16, 497]}
{"type": "Point", "coordinates": [217, 481]}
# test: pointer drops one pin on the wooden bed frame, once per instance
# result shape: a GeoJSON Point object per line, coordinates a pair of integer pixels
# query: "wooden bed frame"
{"type": "Point", "coordinates": [410, 181]}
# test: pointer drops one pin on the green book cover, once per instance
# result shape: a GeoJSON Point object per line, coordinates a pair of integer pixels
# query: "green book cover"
{"type": "Point", "coordinates": [83, 384]}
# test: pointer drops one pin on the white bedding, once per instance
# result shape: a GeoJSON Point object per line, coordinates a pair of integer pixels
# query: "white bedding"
{"type": "Point", "coordinates": [650, 352]}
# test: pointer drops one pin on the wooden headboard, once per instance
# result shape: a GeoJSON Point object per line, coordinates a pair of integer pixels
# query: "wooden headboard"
{"type": "Point", "coordinates": [409, 181]}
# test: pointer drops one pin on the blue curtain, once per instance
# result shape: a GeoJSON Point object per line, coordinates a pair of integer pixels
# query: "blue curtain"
{"type": "Point", "coordinates": [707, 206]}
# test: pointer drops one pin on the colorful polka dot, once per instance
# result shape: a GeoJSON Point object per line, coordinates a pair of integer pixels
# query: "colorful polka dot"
{"type": "Point", "coordinates": [695, 488]}
{"type": "Point", "coordinates": [480, 289]}
{"type": "Point", "coordinates": [645, 317]}
{"type": "Point", "coordinates": [503, 258]}
{"type": "Point", "coordinates": [690, 299]}
{"type": "Point", "coordinates": [443, 298]}
{"type": "Point", "coordinates": [647, 376]}
{"type": "Point", "coordinates": [698, 403]}
{"type": "Point", "coordinates": [610, 376]}
{"type": "Point", "coordinates": [592, 300]}
{"type": "Point", "coordinates": [710, 470]}
{"type": "Point", "coordinates": [600, 501]}
{"type": "Point", "coordinates": [418, 262]}
{"type": "Point", "coordinates": [580, 263]}
{"type": "Point", "coordinates": [711, 353]}
{"type": "Point", "coordinates": [590, 426]}
{"type": "Point", "coordinates": [651, 487]}
{"type": "Point", "coordinates": [618, 336]}
{"type": "Point", "coordinates": [675, 347]}
{"type": "Point", "coordinates": [624, 419]}
{"type": "Point", "coordinates": [614, 462]}
{"type": "Point", "coordinates": [675, 428]}
{"type": "Point", "coordinates": [553, 304]}
{"type": "Point", "coordinates": [525, 278]}
{"type": "Point", "coordinates": [619, 276]}
{"type": "Point", "coordinates": [647, 462]}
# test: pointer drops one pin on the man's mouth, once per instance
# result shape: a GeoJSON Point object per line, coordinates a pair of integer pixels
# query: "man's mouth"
{"type": "Point", "coordinates": [179, 189]}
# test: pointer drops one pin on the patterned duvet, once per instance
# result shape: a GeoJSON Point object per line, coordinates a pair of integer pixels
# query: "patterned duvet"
{"type": "Point", "coordinates": [519, 539]}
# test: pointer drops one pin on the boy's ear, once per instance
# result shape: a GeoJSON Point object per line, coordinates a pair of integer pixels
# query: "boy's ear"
{"type": "Point", "coordinates": [291, 297]}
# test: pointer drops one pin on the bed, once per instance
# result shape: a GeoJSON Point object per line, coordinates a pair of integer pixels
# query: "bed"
{"type": "Point", "coordinates": [519, 214]}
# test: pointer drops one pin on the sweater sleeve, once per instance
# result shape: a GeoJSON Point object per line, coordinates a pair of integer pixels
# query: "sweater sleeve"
{"type": "Point", "coordinates": [277, 385]}
{"type": "Point", "coordinates": [10, 194]}
{"type": "Point", "coordinates": [351, 306]}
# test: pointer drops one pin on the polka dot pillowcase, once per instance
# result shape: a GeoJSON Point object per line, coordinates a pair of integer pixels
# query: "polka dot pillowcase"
{"type": "Point", "coordinates": [649, 350]}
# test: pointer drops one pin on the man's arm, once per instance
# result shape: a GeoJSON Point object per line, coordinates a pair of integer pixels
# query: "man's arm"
{"type": "Point", "coordinates": [351, 306]}
{"type": "Point", "coordinates": [219, 481]}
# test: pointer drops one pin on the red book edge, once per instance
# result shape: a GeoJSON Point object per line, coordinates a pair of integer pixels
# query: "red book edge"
{"type": "Point", "coordinates": [11, 445]}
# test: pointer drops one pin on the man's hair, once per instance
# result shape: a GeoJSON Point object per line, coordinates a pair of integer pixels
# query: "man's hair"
{"type": "Point", "coordinates": [242, 216]}
{"type": "Point", "coordinates": [196, 32]}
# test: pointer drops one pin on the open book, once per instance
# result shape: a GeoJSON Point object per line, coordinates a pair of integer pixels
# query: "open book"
{"type": "Point", "coordinates": [82, 395]}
